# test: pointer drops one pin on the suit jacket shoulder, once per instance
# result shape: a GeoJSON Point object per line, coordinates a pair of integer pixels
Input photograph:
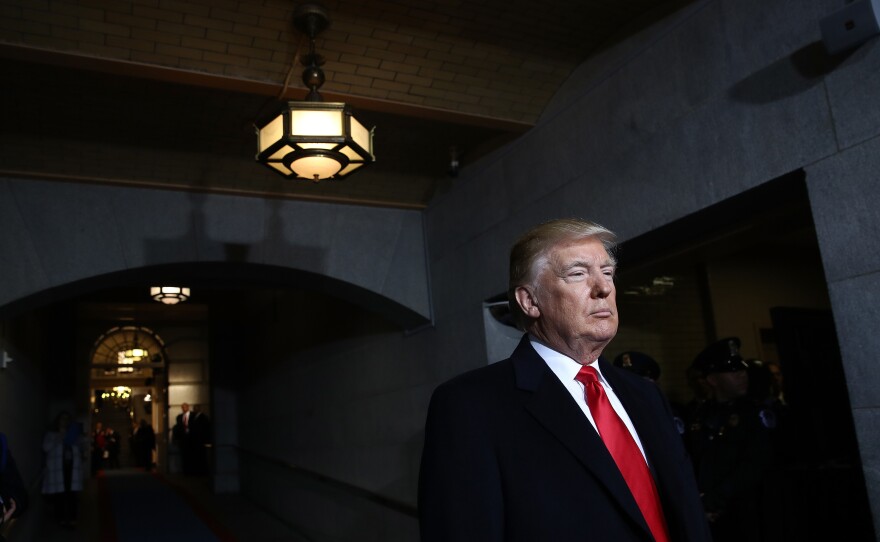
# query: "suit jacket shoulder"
{"type": "Point", "coordinates": [509, 456]}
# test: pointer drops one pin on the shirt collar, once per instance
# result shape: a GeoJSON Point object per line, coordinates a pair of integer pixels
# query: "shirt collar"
{"type": "Point", "coordinates": [565, 368]}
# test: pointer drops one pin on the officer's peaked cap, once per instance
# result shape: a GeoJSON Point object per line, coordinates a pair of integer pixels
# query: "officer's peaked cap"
{"type": "Point", "coordinates": [721, 357]}
{"type": "Point", "coordinates": [639, 363]}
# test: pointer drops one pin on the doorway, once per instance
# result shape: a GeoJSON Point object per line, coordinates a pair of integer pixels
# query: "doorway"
{"type": "Point", "coordinates": [750, 267]}
{"type": "Point", "coordinates": [127, 379]}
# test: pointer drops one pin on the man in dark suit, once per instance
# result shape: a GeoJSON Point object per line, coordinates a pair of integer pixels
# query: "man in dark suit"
{"type": "Point", "coordinates": [182, 436]}
{"type": "Point", "coordinates": [200, 439]}
{"type": "Point", "coordinates": [512, 451]}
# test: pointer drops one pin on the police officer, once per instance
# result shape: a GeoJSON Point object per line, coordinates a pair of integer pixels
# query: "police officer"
{"type": "Point", "coordinates": [639, 363]}
{"type": "Point", "coordinates": [730, 445]}
{"type": "Point", "coordinates": [647, 367]}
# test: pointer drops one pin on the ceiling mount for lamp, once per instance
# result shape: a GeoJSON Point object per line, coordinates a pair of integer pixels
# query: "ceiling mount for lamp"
{"type": "Point", "coordinates": [169, 295]}
{"type": "Point", "coordinates": [313, 139]}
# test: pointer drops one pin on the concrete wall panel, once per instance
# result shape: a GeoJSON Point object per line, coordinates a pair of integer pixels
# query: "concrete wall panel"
{"type": "Point", "coordinates": [69, 232]}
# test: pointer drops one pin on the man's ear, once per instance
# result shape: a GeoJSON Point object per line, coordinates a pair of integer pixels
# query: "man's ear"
{"type": "Point", "coordinates": [525, 298]}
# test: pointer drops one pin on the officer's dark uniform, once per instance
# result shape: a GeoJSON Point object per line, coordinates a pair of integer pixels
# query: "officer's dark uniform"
{"type": "Point", "coordinates": [647, 367]}
{"type": "Point", "coordinates": [730, 446]}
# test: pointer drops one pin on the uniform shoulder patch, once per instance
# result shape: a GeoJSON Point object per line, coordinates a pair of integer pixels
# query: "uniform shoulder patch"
{"type": "Point", "coordinates": [679, 424]}
{"type": "Point", "coordinates": [768, 418]}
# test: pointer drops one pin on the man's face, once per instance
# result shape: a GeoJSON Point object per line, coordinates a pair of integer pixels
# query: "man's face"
{"type": "Point", "coordinates": [775, 374]}
{"type": "Point", "coordinates": [729, 385]}
{"type": "Point", "coordinates": [184, 407]}
{"type": "Point", "coordinates": [576, 297]}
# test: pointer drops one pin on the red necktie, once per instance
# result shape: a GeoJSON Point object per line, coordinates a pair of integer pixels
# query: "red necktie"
{"type": "Point", "coordinates": [626, 453]}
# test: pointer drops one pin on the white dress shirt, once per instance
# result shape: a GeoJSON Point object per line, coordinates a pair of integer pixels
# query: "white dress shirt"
{"type": "Point", "coordinates": [566, 369]}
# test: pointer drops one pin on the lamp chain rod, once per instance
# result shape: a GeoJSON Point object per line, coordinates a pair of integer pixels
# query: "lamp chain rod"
{"type": "Point", "coordinates": [313, 77]}
{"type": "Point", "coordinates": [293, 64]}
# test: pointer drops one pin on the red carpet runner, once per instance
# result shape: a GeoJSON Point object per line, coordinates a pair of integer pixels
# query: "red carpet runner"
{"type": "Point", "coordinates": [142, 507]}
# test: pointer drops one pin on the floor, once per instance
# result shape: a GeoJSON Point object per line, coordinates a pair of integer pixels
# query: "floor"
{"type": "Point", "coordinates": [130, 505]}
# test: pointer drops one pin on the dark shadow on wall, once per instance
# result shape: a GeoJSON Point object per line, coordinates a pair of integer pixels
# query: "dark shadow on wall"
{"type": "Point", "coordinates": [791, 75]}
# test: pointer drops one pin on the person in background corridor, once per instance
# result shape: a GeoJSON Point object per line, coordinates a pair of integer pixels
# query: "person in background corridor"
{"type": "Point", "coordinates": [99, 446]}
{"type": "Point", "coordinates": [13, 495]}
{"type": "Point", "coordinates": [143, 443]}
{"type": "Point", "coordinates": [65, 449]}
{"type": "Point", "coordinates": [113, 445]}
{"type": "Point", "coordinates": [183, 436]}
{"type": "Point", "coordinates": [200, 440]}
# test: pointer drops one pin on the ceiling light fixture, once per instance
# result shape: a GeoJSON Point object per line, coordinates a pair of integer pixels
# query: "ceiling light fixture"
{"type": "Point", "coordinates": [313, 139]}
{"type": "Point", "coordinates": [170, 295]}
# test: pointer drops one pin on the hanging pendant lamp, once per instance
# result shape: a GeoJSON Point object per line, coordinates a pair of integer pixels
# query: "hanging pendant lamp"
{"type": "Point", "coordinates": [313, 139]}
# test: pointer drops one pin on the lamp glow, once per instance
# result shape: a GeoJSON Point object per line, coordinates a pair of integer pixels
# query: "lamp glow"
{"type": "Point", "coordinates": [313, 139]}
{"type": "Point", "coordinates": [169, 295]}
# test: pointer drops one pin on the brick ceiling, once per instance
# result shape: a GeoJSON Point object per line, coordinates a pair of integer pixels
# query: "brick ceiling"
{"type": "Point", "coordinates": [165, 92]}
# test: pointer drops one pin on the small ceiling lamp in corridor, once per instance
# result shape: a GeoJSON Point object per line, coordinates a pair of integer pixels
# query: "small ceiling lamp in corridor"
{"type": "Point", "coordinates": [313, 139]}
{"type": "Point", "coordinates": [170, 295]}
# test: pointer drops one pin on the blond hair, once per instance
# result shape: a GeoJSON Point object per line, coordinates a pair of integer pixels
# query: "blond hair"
{"type": "Point", "coordinates": [529, 254]}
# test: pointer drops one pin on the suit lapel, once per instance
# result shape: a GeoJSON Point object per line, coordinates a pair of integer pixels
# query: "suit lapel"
{"type": "Point", "coordinates": [553, 407]}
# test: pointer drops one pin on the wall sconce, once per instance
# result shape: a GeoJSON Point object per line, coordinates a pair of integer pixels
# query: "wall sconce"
{"type": "Point", "coordinates": [313, 139]}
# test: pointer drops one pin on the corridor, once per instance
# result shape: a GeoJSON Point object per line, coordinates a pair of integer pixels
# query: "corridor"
{"type": "Point", "coordinates": [129, 505]}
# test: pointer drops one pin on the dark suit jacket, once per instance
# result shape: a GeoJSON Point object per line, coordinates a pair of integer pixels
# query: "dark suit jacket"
{"type": "Point", "coordinates": [509, 456]}
{"type": "Point", "coordinates": [178, 433]}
